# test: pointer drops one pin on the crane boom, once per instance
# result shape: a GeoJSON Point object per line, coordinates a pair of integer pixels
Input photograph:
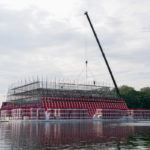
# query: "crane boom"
{"type": "Point", "coordinates": [103, 54]}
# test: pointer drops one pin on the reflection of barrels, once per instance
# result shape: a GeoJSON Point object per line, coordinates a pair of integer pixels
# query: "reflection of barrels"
{"type": "Point", "coordinates": [68, 133]}
{"type": "Point", "coordinates": [54, 134]}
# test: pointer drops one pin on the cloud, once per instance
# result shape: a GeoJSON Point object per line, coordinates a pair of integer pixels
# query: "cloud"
{"type": "Point", "coordinates": [46, 39]}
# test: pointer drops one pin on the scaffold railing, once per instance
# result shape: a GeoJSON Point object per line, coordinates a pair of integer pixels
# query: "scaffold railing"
{"type": "Point", "coordinates": [34, 89]}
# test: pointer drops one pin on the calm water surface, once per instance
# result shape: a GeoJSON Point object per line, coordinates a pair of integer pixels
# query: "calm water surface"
{"type": "Point", "coordinates": [74, 135]}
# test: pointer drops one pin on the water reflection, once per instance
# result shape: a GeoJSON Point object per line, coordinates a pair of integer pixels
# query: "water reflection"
{"type": "Point", "coordinates": [72, 135]}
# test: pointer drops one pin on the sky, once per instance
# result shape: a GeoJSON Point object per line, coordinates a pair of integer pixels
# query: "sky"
{"type": "Point", "coordinates": [52, 39]}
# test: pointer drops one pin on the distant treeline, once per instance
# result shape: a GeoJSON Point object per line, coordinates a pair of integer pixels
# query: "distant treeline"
{"type": "Point", "coordinates": [136, 99]}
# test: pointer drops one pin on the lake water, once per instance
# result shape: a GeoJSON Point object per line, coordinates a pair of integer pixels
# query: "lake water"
{"type": "Point", "coordinates": [71, 135]}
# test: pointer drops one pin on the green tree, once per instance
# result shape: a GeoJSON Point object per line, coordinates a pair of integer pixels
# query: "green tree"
{"type": "Point", "coordinates": [145, 90]}
{"type": "Point", "coordinates": [128, 93]}
{"type": "Point", "coordinates": [126, 90]}
{"type": "Point", "coordinates": [135, 99]}
{"type": "Point", "coordinates": [145, 97]}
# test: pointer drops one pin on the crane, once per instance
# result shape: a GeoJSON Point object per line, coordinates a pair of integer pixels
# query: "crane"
{"type": "Point", "coordinates": [103, 54]}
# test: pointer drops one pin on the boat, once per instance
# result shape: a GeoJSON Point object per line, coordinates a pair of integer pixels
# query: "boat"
{"type": "Point", "coordinates": [40, 100]}
{"type": "Point", "coordinates": [51, 100]}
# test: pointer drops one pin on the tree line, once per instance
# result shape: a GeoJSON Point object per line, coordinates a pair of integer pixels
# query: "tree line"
{"type": "Point", "coordinates": [134, 98]}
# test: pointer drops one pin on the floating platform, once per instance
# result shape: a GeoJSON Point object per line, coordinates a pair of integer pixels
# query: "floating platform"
{"type": "Point", "coordinates": [55, 101]}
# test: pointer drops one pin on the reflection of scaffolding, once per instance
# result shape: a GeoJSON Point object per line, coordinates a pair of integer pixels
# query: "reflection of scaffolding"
{"type": "Point", "coordinates": [33, 91]}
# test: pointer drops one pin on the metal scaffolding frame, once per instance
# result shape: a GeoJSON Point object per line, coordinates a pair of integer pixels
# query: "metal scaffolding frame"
{"type": "Point", "coordinates": [31, 91]}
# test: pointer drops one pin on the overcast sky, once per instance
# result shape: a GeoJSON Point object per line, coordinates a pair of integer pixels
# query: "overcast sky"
{"type": "Point", "coordinates": [52, 39]}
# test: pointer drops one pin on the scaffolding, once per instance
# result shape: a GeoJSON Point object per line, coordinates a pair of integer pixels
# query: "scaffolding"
{"type": "Point", "coordinates": [33, 91]}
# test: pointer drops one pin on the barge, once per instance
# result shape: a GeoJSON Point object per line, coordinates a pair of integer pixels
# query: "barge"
{"type": "Point", "coordinates": [43, 100]}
